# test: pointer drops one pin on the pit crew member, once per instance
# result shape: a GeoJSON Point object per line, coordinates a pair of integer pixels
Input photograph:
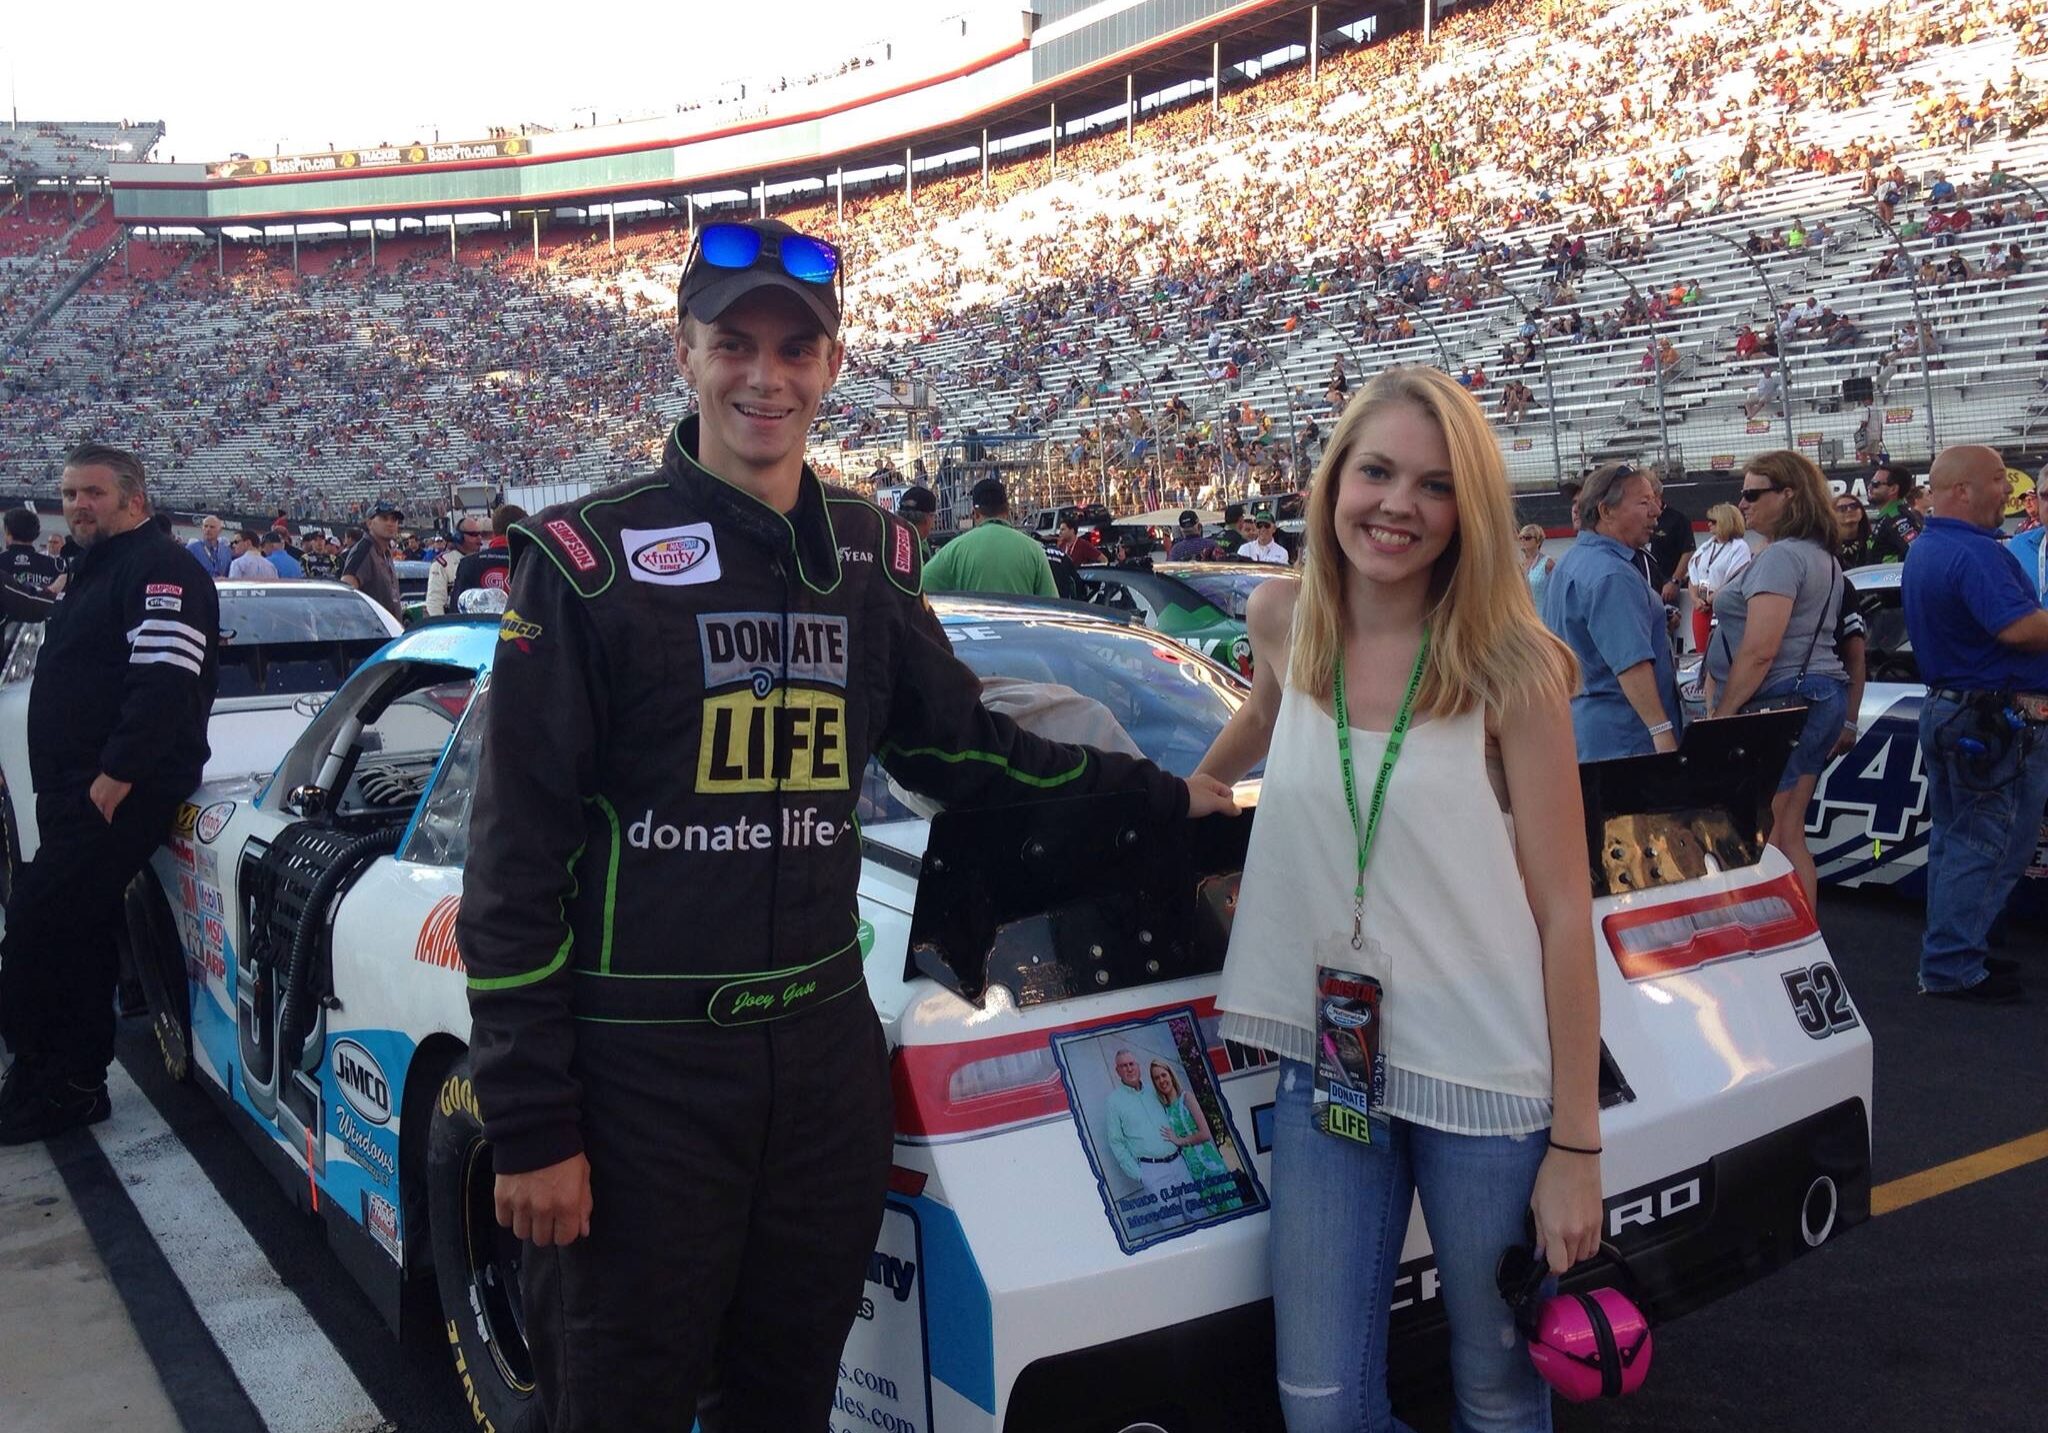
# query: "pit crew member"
{"type": "Point", "coordinates": [116, 739]}
{"type": "Point", "coordinates": [470, 532]}
{"type": "Point", "coordinates": [490, 566]}
{"type": "Point", "coordinates": [680, 1072]}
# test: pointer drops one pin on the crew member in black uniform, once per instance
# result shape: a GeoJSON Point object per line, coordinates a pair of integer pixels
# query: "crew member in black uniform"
{"type": "Point", "coordinates": [678, 1067]}
{"type": "Point", "coordinates": [40, 573]}
{"type": "Point", "coordinates": [116, 739]}
{"type": "Point", "coordinates": [490, 566]}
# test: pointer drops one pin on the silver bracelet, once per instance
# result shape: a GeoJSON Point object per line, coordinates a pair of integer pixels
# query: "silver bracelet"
{"type": "Point", "coordinates": [1660, 728]}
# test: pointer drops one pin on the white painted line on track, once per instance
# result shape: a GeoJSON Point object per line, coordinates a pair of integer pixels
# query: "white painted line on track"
{"type": "Point", "coordinates": [295, 1377]}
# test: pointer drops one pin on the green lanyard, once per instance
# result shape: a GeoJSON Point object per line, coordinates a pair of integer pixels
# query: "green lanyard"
{"type": "Point", "coordinates": [1371, 825]}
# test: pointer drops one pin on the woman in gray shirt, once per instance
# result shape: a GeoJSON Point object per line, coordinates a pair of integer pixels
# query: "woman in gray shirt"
{"type": "Point", "coordinates": [1775, 639]}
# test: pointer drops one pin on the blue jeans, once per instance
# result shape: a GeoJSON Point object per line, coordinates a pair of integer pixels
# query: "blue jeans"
{"type": "Point", "coordinates": [1340, 1212]}
{"type": "Point", "coordinates": [1985, 809]}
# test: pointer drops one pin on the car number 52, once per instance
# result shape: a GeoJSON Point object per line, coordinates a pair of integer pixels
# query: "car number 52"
{"type": "Point", "coordinates": [1820, 1000]}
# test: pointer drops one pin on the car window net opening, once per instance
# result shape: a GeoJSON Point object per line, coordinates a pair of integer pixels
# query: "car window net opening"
{"type": "Point", "coordinates": [288, 643]}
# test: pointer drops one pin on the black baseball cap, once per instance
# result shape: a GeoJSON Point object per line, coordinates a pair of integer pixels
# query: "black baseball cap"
{"type": "Point", "coordinates": [708, 289]}
{"type": "Point", "coordinates": [990, 496]}
{"type": "Point", "coordinates": [1190, 520]}
{"type": "Point", "coordinates": [917, 500]}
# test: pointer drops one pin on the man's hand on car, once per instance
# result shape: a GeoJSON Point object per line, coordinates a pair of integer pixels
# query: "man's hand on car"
{"type": "Point", "coordinates": [547, 1206]}
{"type": "Point", "coordinates": [1207, 796]}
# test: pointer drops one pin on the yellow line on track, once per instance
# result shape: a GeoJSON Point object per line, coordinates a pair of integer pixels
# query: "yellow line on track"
{"type": "Point", "coordinates": [1944, 1178]}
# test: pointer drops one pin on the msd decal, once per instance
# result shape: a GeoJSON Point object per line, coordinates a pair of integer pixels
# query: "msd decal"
{"type": "Point", "coordinates": [436, 945]}
{"type": "Point", "coordinates": [671, 556]}
{"type": "Point", "coordinates": [573, 546]}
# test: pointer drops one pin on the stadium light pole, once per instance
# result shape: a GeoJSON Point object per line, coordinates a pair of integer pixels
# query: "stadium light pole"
{"type": "Point", "coordinates": [1777, 342]}
{"type": "Point", "coordinates": [1158, 429]}
{"type": "Point", "coordinates": [1656, 359]}
{"type": "Point", "coordinates": [1549, 398]}
{"type": "Point", "coordinates": [1919, 317]}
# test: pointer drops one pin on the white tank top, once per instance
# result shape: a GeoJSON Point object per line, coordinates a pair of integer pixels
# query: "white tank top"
{"type": "Point", "coordinates": [1467, 1041]}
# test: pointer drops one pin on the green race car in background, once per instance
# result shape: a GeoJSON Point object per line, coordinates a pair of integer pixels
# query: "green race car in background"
{"type": "Point", "coordinates": [1199, 603]}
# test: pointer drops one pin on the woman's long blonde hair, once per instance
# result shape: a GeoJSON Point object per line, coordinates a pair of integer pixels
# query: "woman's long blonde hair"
{"type": "Point", "coordinates": [1486, 643]}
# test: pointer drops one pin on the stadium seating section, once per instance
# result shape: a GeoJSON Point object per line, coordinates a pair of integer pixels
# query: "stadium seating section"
{"type": "Point", "coordinates": [1160, 315]}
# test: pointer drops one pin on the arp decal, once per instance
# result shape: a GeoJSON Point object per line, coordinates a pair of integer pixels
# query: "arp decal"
{"type": "Point", "coordinates": [436, 943]}
{"type": "Point", "coordinates": [671, 556]}
{"type": "Point", "coordinates": [573, 546]}
{"type": "Point", "coordinates": [211, 820]}
{"type": "Point", "coordinates": [1820, 1000]}
{"type": "Point", "coordinates": [360, 1079]}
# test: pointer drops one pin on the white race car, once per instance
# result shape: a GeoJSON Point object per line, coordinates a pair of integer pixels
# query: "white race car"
{"type": "Point", "coordinates": [284, 646]}
{"type": "Point", "coordinates": [302, 935]}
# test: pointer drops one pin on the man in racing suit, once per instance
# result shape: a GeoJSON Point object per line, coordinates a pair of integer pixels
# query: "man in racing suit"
{"type": "Point", "coordinates": [678, 1067]}
{"type": "Point", "coordinates": [469, 533]}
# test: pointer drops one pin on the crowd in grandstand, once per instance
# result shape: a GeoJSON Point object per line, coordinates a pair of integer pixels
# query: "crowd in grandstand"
{"type": "Point", "coordinates": [1401, 181]}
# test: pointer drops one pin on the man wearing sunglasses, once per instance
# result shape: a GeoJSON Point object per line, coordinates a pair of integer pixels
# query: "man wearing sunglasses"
{"type": "Point", "coordinates": [682, 1077]}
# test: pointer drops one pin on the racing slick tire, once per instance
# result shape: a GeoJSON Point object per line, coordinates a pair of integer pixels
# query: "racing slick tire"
{"type": "Point", "coordinates": [476, 1265]}
{"type": "Point", "coordinates": [153, 956]}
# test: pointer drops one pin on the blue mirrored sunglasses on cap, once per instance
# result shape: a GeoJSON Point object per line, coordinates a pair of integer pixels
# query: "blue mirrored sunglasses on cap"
{"type": "Point", "coordinates": [735, 246]}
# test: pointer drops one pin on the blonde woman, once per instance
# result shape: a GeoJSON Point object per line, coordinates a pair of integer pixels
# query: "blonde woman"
{"type": "Point", "coordinates": [1406, 674]}
{"type": "Point", "coordinates": [1536, 567]}
{"type": "Point", "coordinates": [1719, 558]}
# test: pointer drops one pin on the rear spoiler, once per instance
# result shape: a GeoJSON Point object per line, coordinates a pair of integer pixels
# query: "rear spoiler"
{"type": "Point", "coordinates": [1055, 899]}
{"type": "Point", "coordinates": [1658, 820]}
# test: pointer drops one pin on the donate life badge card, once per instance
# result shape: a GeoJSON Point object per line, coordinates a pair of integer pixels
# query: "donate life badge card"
{"type": "Point", "coordinates": [1351, 1066]}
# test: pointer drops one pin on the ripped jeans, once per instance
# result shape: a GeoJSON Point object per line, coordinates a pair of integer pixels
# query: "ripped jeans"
{"type": "Point", "coordinates": [1340, 1213]}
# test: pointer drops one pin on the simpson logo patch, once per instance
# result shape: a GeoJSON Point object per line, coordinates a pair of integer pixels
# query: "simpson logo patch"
{"type": "Point", "coordinates": [573, 546]}
{"type": "Point", "coordinates": [902, 555]}
{"type": "Point", "coordinates": [163, 589]}
{"type": "Point", "coordinates": [671, 556]}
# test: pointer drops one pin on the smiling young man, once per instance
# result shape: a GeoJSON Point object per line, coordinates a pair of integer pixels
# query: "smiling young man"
{"type": "Point", "coordinates": [683, 1080]}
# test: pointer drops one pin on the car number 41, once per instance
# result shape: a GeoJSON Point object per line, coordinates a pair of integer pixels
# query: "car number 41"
{"type": "Point", "coordinates": [1820, 1000]}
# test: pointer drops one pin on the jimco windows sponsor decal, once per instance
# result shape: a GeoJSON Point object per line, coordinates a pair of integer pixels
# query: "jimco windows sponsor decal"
{"type": "Point", "coordinates": [756, 738]}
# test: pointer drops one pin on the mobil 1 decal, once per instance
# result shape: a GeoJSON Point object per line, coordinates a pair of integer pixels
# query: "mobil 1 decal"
{"type": "Point", "coordinates": [774, 702]}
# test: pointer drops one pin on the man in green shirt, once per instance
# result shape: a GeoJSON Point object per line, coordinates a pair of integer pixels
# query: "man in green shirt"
{"type": "Point", "coordinates": [991, 556]}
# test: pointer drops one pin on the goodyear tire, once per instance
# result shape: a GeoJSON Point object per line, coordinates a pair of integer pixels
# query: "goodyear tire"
{"type": "Point", "coordinates": [476, 1266]}
{"type": "Point", "coordinates": [155, 958]}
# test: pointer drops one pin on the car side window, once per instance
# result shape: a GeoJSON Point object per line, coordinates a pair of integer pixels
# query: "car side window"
{"type": "Point", "coordinates": [398, 751]}
{"type": "Point", "coordinates": [441, 835]}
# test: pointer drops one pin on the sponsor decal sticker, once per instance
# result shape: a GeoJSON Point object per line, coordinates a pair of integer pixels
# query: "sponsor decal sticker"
{"type": "Point", "coordinates": [182, 851]}
{"type": "Point", "coordinates": [754, 737]}
{"type": "Point", "coordinates": [185, 820]}
{"type": "Point", "coordinates": [208, 864]}
{"type": "Point", "coordinates": [380, 1217]}
{"type": "Point", "coordinates": [573, 546]}
{"type": "Point", "coordinates": [163, 589]}
{"type": "Point", "coordinates": [360, 1079]}
{"type": "Point", "coordinates": [374, 1158]}
{"type": "Point", "coordinates": [517, 630]}
{"type": "Point", "coordinates": [209, 822]}
{"type": "Point", "coordinates": [163, 604]}
{"type": "Point", "coordinates": [762, 648]}
{"type": "Point", "coordinates": [671, 556]}
{"type": "Point", "coordinates": [902, 551]}
{"type": "Point", "coordinates": [436, 945]}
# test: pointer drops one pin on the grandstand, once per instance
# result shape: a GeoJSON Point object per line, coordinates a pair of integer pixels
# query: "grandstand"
{"type": "Point", "coordinates": [1161, 310]}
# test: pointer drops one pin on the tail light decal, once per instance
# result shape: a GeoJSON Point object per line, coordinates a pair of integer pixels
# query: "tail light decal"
{"type": "Point", "coordinates": [1665, 937]}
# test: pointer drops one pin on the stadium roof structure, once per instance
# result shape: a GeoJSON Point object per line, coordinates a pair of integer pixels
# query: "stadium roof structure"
{"type": "Point", "coordinates": [72, 149]}
{"type": "Point", "coordinates": [1009, 77]}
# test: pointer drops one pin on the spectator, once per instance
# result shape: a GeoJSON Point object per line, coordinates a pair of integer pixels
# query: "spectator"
{"type": "Point", "coordinates": [1191, 545]}
{"type": "Point", "coordinates": [250, 565]}
{"type": "Point", "coordinates": [1714, 565]}
{"type": "Point", "coordinates": [1515, 401]}
{"type": "Point", "coordinates": [1263, 547]}
{"type": "Point", "coordinates": [319, 560]}
{"type": "Point", "coordinates": [1774, 638]}
{"type": "Point", "coordinates": [1980, 637]}
{"type": "Point", "coordinates": [23, 567]}
{"type": "Point", "coordinates": [1852, 532]}
{"type": "Point", "coordinates": [369, 564]}
{"type": "Point", "coordinates": [1894, 523]}
{"type": "Point", "coordinates": [991, 556]}
{"type": "Point", "coordinates": [470, 533]}
{"type": "Point", "coordinates": [1537, 566]}
{"type": "Point", "coordinates": [1597, 601]}
{"type": "Point", "coordinates": [1767, 396]}
{"type": "Point", "coordinates": [919, 507]}
{"type": "Point", "coordinates": [214, 552]}
{"type": "Point", "coordinates": [279, 556]}
{"type": "Point", "coordinates": [1079, 548]}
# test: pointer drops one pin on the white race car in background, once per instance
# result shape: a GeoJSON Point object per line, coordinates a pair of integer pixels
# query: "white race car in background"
{"type": "Point", "coordinates": [284, 646]}
{"type": "Point", "coordinates": [300, 951]}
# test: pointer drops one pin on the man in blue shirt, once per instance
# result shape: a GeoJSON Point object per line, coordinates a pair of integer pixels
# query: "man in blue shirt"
{"type": "Point", "coordinates": [1980, 636]}
{"type": "Point", "coordinates": [1613, 620]}
{"type": "Point", "coordinates": [214, 552]}
{"type": "Point", "coordinates": [280, 556]}
{"type": "Point", "coordinates": [1191, 546]}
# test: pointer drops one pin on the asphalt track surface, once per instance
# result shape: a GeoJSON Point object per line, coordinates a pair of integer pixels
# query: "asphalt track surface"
{"type": "Point", "coordinates": [1931, 1317]}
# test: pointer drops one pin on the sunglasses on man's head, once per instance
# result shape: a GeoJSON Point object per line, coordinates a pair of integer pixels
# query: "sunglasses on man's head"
{"type": "Point", "coordinates": [735, 246]}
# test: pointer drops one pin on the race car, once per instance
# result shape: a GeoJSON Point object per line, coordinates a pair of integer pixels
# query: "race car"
{"type": "Point", "coordinates": [301, 935]}
{"type": "Point", "coordinates": [1868, 822]}
{"type": "Point", "coordinates": [283, 647]}
{"type": "Point", "coordinates": [1199, 603]}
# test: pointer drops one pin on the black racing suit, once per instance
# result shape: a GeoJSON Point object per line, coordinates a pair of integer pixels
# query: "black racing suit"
{"type": "Point", "coordinates": [1892, 531]}
{"type": "Point", "coordinates": [124, 684]}
{"type": "Point", "coordinates": [492, 567]}
{"type": "Point", "coordinates": [659, 922]}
